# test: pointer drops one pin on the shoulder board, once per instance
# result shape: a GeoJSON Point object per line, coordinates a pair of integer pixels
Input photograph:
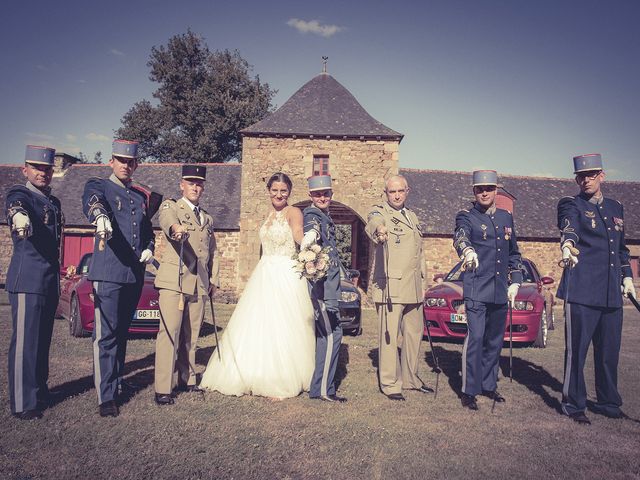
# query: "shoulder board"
{"type": "Point", "coordinates": [378, 206]}
{"type": "Point", "coordinates": [167, 203]}
{"type": "Point", "coordinates": [618, 201]}
{"type": "Point", "coordinates": [18, 186]}
{"type": "Point", "coordinates": [464, 210]}
{"type": "Point", "coordinates": [569, 197]}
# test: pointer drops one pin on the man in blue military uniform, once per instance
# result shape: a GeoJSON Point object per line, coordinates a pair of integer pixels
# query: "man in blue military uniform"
{"type": "Point", "coordinates": [592, 230]}
{"type": "Point", "coordinates": [33, 282]}
{"type": "Point", "coordinates": [319, 228]}
{"type": "Point", "coordinates": [123, 246]}
{"type": "Point", "coordinates": [485, 240]}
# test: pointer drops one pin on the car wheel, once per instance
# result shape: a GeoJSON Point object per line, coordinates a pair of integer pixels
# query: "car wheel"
{"type": "Point", "coordinates": [541, 339]}
{"type": "Point", "coordinates": [75, 323]}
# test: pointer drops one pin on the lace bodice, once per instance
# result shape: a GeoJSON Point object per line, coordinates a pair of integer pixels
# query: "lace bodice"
{"type": "Point", "coordinates": [276, 236]}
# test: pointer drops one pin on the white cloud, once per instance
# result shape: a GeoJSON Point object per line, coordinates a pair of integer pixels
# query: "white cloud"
{"type": "Point", "coordinates": [81, 80]}
{"type": "Point", "coordinates": [40, 136]}
{"type": "Point", "coordinates": [314, 26]}
{"type": "Point", "coordinates": [115, 51]}
{"type": "Point", "coordinates": [70, 137]}
{"type": "Point", "coordinates": [97, 137]}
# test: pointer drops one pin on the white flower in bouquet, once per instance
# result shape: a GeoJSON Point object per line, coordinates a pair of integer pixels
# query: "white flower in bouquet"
{"type": "Point", "coordinates": [307, 256]}
{"type": "Point", "coordinates": [321, 264]}
{"type": "Point", "coordinates": [310, 268]}
{"type": "Point", "coordinates": [315, 248]}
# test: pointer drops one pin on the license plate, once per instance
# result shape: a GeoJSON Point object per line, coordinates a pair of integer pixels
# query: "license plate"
{"type": "Point", "coordinates": [458, 318]}
{"type": "Point", "coordinates": [147, 315]}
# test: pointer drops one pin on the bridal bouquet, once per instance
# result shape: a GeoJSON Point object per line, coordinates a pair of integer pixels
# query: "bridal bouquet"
{"type": "Point", "coordinates": [312, 263]}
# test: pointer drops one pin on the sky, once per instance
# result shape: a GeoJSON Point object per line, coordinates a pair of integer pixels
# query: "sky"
{"type": "Point", "coordinates": [518, 86]}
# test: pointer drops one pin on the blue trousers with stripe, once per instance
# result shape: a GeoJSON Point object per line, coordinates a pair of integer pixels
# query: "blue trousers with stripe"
{"type": "Point", "coordinates": [115, 305]}
{"type": "Point", "coordinates": [328, 339]}
{"type": "Point", "coordinates": [603, 327]}
{"type": "Point", "coordinates": [32, 317]}
{"type": "Point", "coordinates": [481, 350]}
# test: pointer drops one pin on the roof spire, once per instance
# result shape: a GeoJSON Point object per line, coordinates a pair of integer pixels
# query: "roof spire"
{"type": "Point", "coordinates": [324, 64]}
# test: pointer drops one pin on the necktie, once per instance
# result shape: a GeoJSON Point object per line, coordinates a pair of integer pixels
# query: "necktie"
{"type": "Point", "coordinates": [404, 214]}
{"type": "Point", "coordinates": [196, 212]}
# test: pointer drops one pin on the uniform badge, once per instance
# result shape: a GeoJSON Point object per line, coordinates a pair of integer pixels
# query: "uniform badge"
{"type": "Point", "coordinates": [592, 216]}
{"type": "Point", "coordinates": [46, 217]}
{"type": "Point", "coordinates": [619, 224]}
{"type": "Point", "coordinates": [118, 203]}
{"type": "Point", "coordinates": [484, 231]}
{"type": "Point", "coordinates": [165, 206]}
{"type": "Point", "coordinates": [507, 233]}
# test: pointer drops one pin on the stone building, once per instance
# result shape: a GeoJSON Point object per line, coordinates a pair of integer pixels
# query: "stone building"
{"type": "Point", "coordinates": [323, 129]}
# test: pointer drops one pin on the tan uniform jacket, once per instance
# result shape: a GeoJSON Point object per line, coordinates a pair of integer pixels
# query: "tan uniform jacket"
{"type": "Point", "coordinates": [201, 262]}
{"type": "Point", "coordinates": [405, 263]}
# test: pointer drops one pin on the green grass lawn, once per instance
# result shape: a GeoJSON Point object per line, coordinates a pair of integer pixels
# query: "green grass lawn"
{"type": "Point", "coordinates": [214, 436]}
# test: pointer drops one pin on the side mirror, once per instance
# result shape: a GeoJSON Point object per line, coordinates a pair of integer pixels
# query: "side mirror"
{"type": "Point", "coordinates": [547, 280]}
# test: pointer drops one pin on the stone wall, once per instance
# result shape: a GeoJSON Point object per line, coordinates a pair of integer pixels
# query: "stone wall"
{"type": "Point", "coordinates": [358, 169]}
{"type": "Point", "coordinates": [6, 249]}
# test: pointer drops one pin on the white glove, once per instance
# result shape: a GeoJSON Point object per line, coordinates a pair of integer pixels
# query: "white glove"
{"type": "Point", "coordinates": [512, 291]}
{"type": "Point", "coordinates": [569, 259]}
{"type": "Point", "coordinates": [147, 256]}
{"type": "Point", "coordinates": [103, 227]}
{"type": "Point", "coordinates": [309, 239]}
{"type": "Point", "coordinates": [470, 260]}
{"type": "Point", "coordinates": [22, 224]}
{"type": "Point", "coordinates": [628, 288]}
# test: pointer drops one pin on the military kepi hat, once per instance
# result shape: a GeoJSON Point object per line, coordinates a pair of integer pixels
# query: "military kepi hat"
{"type": "Point", "coordinates": [585, 163]}
{"type": "Point", "coordinates": [194, 172]}
{"type": "Point", "coordinates": [125, 148]}
{"type": "Point", "coordinates": [485, 177]}
{"type": "Point", "coordinates": [319, 182]}
{"type": "Point", "coordinates": [39, 155]}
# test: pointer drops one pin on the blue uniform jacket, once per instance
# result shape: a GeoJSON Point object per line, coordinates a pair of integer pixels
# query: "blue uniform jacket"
{"type": "Point", "coordinates": [35, 264]}
{"type": "Point", "coordinates": [327, 288]}
{"type": "Point", "coordinates": [493, 237]}
{"type": "Point", "coordinates": [126, 208]}
{"type": "Point", "coordinates": [597, 231]}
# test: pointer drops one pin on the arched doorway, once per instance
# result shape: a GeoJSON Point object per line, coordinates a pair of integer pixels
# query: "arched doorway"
{"type": "Point", "coordinates": [353, 243]}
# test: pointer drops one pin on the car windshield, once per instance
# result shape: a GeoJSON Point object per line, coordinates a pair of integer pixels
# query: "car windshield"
{"type": "Point", "coordinates": [457, 275]}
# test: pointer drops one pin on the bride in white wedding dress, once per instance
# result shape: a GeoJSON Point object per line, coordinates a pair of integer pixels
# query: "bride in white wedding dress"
{"type": "Point", "coordinates": [268, 346]}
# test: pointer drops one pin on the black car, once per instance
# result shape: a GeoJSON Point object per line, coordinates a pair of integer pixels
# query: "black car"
{"type": "Point", "coordinates": [349, 303]}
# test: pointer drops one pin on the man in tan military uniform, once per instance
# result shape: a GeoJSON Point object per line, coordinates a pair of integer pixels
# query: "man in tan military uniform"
{"type": "Point", "coordinates": [397, 289]}
{"type": "Point", "coordinates": [184, 291]}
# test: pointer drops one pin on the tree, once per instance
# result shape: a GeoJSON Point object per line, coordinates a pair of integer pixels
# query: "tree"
{"type": "Point", "coordinates": [97, 158]}
{"type": "Point", "coordinates": [204, 99]}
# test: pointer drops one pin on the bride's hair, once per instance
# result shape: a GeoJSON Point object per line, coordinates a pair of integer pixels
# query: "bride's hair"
{"type": "Point", "coordinates": [280, 177]}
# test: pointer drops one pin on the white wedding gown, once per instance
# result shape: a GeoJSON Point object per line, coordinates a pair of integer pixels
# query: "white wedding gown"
{"type": "Point", "coordinates": [268, 347]}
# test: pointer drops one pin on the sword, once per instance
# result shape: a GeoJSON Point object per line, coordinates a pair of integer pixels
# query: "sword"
{"type": "Point", "coordinates": [634, 301]}
{"type": "Point", "coordinates": [436, 365]}
{"type": "Point", "coordinates": [510, 344]}
{"type": "Point", "coordinates": [180, 265]}
{"type": "Point", "coordinates": [215, 327]}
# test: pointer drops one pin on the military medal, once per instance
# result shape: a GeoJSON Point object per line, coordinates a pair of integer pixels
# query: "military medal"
{"type": "Point", "coordinates": [592, 216]}
{"type": "Point", "coordinates": [619, 224]}
{"type": "Point", "coordinates": [484, 231]}
{"type": "Point", "coordinates": [118, 204]}
{"type": "Point", "coordinates": [46, 217]}
{"type": "Point", "coordinates": [507, 233]}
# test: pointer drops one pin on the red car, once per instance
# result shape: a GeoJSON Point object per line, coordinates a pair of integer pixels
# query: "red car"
{"type": "Point", "coordinates": [445, 314]}
{"type": "Point", "coordinates": [76, 302]}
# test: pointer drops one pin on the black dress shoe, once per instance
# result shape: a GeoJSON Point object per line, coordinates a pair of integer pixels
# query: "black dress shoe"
{"type": "Point", "coordinates": [164, 399]}
{"type": "Point", "coordinates": [423, 389]}
{"type": "Point", "coordinates": [128, 387]}
{"type": "Point", "coordinates": [469, 401]}
{"type": "Point", "coordinates": [333, 398]}
{"type": "Point", "coordinates": [109, 409]}
{"type": "Point", "coordinates": [494, 395]}
{"type": "Point", "coordinates": [395, 396]}
{"type": "Point", "coordinates": [189, 388]}
{"type": "Point", "coordinates": [580, 417]}
{"type": "Point", "coordinates": [28, 415]}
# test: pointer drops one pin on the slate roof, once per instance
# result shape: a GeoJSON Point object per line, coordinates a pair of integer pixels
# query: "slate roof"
{"type": "Point", "coordinates": [221, 197]}
{"type": "Point", "coordinates": [438, 195]}
{"type": "Point", "coordinates": [322, 107]}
